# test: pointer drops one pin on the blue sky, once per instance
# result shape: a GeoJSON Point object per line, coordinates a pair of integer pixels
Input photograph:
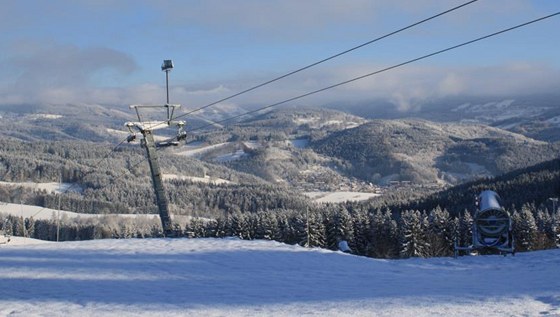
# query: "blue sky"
{"type": "Point", "coordinates": [110, 52]}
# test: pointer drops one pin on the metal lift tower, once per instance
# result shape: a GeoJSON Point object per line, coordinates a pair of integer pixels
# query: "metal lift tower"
{"type": "Point", "coordinates": [146, 128]}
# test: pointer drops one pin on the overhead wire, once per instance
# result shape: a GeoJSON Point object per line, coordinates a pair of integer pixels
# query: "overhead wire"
{"type": "Point", "coordinates": [379, 71]}
{"type": "Point", "coordinates": [310, 66]}
{"type": "Point", "coordinates": [218, 122]}
{"type": "Point", "coordinates": [323, 60]}
{"type": "Point", "coordinates": [331, 57]}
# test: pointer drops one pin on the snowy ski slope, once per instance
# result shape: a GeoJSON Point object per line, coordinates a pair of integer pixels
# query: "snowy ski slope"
{"type": "Point", "coordinates": [230, 277]}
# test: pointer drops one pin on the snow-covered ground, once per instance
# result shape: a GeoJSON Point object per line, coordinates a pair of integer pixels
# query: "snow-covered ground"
{"type": "Point", "coordinates": [39, 116]}
{"type": "Point", "coordinates": [339, 197]}
{"type": "Point", "coordinates": [299, 143]}
{"type": "Point", "coordinates": [51, 187]}
{"type": "Point", "coordinates": [221, 153]}
{"type": "Point", "coordinates": [198, 149]}
{"type": "Point", "coordinates": [37, 212]}
{"type": "Point", "coordinates": [206, 179]}
{"type": "Point", "coordinates": [230, 277]}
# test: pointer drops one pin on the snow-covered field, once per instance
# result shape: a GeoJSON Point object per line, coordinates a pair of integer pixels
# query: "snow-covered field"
{"type": "Point", "coordinates": [339, 197]}
{"type": "Point", "coordinates": [230, 277]}
{"type": "Point", "coordinates": [28, 211]}
{"type": "Point", "coordinates": [206, 179]}
{"type": "Point", "coordinates": [198, 149]}
{"type": "Point", "coordinates": [49, 187]}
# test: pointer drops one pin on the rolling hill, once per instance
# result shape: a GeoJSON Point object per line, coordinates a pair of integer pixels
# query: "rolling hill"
{"type": "Point", "coordinates": [424, 152]}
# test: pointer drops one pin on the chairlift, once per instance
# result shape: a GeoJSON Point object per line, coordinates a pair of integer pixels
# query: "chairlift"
{"type": "Point", "coordinates": [131, 138]}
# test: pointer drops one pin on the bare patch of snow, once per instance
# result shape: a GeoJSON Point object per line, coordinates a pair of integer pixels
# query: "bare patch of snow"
{"type": "Point", "coordinates": [48, 116]}
{"type": "Point", "coordinates": [339, 197]}
{"type": "Point", "coordinates": [299, 143]}
{"type": "Point", "coordinates": [275, 153]}
{"type": "Point", "coordinates": [51, 187]}
{"type": "Point", "coordinates": [193, 150]}
{"type": "Point", "coordinates": [20, 241]}
{"type": "Point", "coordinates": [300, 120]}
{"type": "Point", "coordinates": [206, 179]}
{"type": "Point", "coordinates": [253, 145]}
{"type": "Point", "coordinates": [37, 212]}
{"type": "Point", "coordinates": [228, 157]}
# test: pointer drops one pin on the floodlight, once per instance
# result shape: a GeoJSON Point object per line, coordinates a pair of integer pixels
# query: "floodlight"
{"type": "Point", "coordinates": [167, 65]}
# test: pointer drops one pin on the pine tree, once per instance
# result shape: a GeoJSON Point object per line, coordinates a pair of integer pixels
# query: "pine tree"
{"type": "Point", "coordinates": [283, 226]}
{"type": "Point", "coordinates": [545, 231]}
{"type": "Point", "coordinates": [440, 233]}
{"type": "Point", "coordinates": [339, 228]}
{"type": "Point", "coordinates": [412, 235]}
{"type": "Point", "coordinates": [266, 226]}
{"type": "Point", "coordinates": [197, 228]}
{"type": "Point", "coordinates": [556, 228]}
{"type": "Point", "coordinates": [17, 226]}
{"type": "Point", "coordinates": [239, 225]}
{"type": "Point", "coordinates": [317, 232]}
{"type": "Point", "coordinates": [361, 231]}
{"type": "Point", "coordinates": [525, 229]}
{"type": "Point", "coordinates": [465, 229]}
{"type": "Point", "coordinates": [384, 233]}
{"type": "Point", "coordinates": [298, 230]}
{"type": "Point", "coordinates": [29, 224]}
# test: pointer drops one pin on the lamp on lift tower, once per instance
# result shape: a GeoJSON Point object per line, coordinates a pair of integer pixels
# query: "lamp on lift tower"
{"type": "Point", "coordinates": [166, 67]}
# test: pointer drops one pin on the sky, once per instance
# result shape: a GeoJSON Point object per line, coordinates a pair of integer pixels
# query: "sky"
{"type": "Point", "coordinates": [110, 52]}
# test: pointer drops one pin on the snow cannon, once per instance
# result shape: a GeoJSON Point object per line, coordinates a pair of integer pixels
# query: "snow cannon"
{"type": "Point", "coordinates": [492, 226]}
{"type": "Point", "coordinates": [492, 223]}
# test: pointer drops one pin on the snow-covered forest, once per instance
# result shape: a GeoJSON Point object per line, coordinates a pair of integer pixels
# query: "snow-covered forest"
{"type": "Point", "coordinates": [377, 234]}
{"type": "Point", "coordinates": [399, 224]}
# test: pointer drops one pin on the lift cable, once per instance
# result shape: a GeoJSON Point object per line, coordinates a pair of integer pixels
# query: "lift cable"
{"type": "Point", "coordinates": [213, 123]}
{"type": "Point", "coordinates": [327, 59]}
{"type": "Point", "coordinates": [314, 64]}
{"type": "Point", "coordinates": [377, 72]}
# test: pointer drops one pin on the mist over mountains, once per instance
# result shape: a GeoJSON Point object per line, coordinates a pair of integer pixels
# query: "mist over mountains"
{"type": "Point", "coordinates": [536, 116]}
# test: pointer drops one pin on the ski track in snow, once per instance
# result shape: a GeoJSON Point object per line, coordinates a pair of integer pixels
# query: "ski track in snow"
{"type": "Point", "coordinates": [231, 277]}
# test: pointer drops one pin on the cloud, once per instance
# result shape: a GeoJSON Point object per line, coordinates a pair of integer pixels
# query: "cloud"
{"type": "Point", "coordinates": [48, 70]}
{"type": "Point", "coordinates": [412, 86]}
{"type": "Point", "coordinates": [66, 74]}
{"type": "Point", "coordinates": [55, 73]}
{"type": "Point", "coordinates": [68, 65]}
{"type": "Point", "coordinates": [407, 88]}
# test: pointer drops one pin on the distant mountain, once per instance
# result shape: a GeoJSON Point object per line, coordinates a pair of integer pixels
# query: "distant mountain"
{"type": "Point", "coordinates": [425, 152]}
{"type": "Point", "coordinates": [308, 146]}
{"type": "Point", "coordinates": [64, 122]}
{"type": "Point", "coordinates": [537, 116]}
{"type": "Point", "coordinates": [317, 148]}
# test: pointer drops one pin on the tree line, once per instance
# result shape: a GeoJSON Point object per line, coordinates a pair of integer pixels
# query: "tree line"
{"type": "Point", "coordinates": [378, 234]}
